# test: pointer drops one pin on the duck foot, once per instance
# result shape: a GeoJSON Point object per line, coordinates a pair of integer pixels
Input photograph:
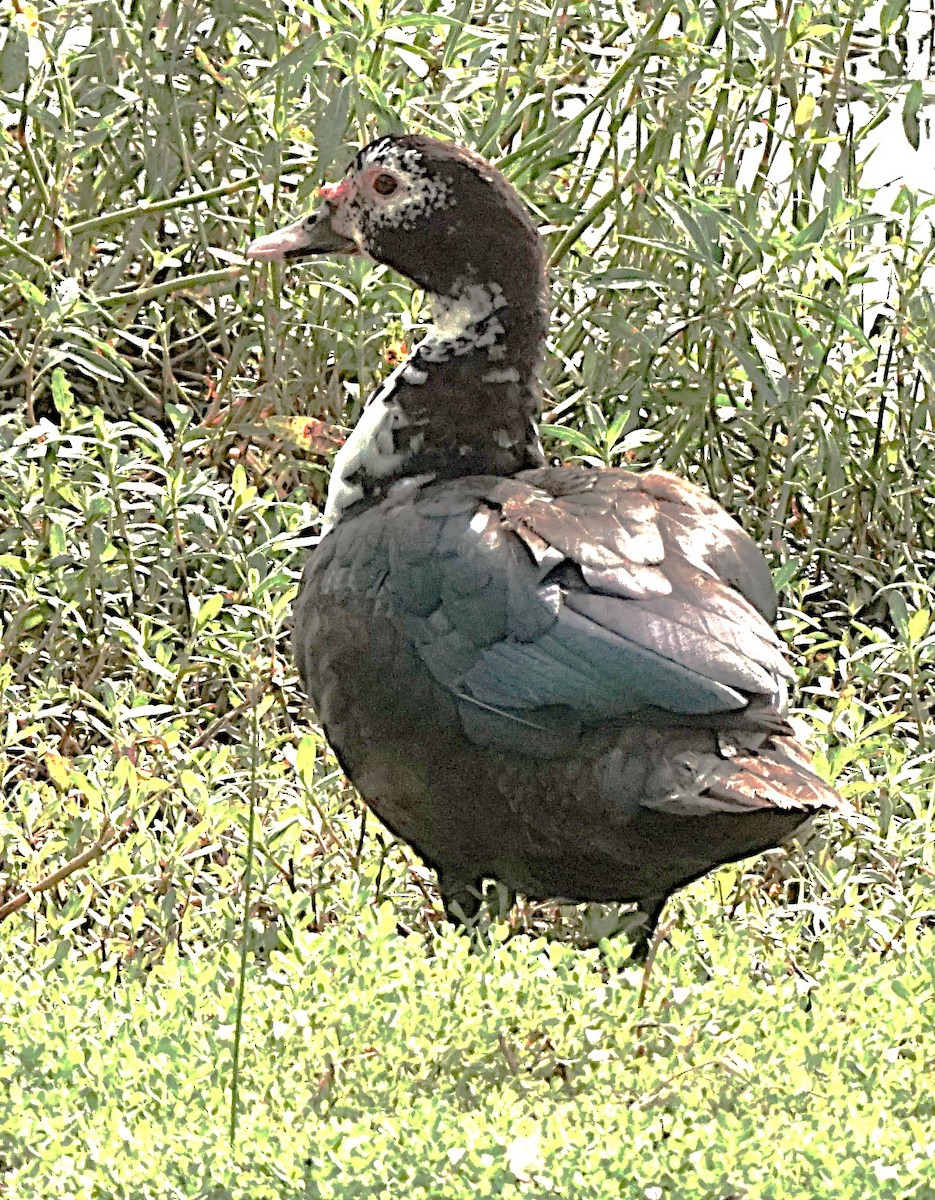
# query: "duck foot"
{"type": "Point", "coordinates": [651, 907]}
{"type": "Point", "coordinates": [474, 907]}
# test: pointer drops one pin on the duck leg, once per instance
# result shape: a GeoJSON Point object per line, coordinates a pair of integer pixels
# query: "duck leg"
{"type": "Point", "coordinates": [462, 901]}
{"type": "Point", "coordinates": [652, 906]}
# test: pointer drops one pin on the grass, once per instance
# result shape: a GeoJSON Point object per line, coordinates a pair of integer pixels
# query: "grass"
{"type": "Point", "coordinates": [376, 1067]}
{"type": "Point", "coordinates": [733, 301]}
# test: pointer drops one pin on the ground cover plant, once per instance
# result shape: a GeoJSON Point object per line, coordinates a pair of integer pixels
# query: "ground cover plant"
{"type": "Point", "coordinates": [734, 300]}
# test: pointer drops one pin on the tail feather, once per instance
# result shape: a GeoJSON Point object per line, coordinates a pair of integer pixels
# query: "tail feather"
{"type": "Point", "coordinates": [778, 775]}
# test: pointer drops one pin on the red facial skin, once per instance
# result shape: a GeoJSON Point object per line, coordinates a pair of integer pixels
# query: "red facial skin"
{"type": "Point", "coordinates": [336, 193]}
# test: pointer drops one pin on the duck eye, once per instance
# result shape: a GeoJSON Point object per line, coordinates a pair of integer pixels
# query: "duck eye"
{"type": "Point", "coordinates": [386, 185]}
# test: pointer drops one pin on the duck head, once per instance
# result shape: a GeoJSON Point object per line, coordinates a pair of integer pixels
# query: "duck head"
{"type": "Point", "coordinates": [434, 211]}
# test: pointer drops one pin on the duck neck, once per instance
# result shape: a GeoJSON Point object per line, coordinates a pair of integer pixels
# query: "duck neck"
{"type": "Point", "coordinates": [465, 402]}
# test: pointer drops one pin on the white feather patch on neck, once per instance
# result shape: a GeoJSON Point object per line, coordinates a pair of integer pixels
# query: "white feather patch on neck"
{"type": "Point", "coordinates": [464, 322]}
{"type": "Point", "coordinates": [369, 451]}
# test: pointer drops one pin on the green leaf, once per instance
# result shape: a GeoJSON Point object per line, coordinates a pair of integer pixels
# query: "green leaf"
{"type": "Point", "coordinates": [571, 437]}
{"type": "Point", "coordinates": [31, 293]}
{"type": "Point", "coordinates": [899, 612]}
{"type": "Point", "coordinates": [784, 575]}
{"type": "Point", "coordinates": [62, 396]}
{"type": "Point", "coordinates": [804, 111]}
{"type": "Point", "coordinates": [918, 625]}
{"type": "Point", "coordinates": [911, 106]}
{"type": "Point", "coordinates": [14, 61]}
{"type": "Point", "coordinates": [207, 610]}
{"type": "Point", "coordinates": [306, 758]}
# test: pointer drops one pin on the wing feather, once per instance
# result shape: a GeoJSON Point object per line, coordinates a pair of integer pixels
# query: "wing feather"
{"type": "Point", "coordinates": [564, 598]}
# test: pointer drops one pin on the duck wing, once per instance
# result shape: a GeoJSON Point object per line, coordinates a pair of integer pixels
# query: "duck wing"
{"type": "Point", "coordinates": [563, 598]}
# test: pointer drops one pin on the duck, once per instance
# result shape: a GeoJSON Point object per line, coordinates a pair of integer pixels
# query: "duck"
{"type": "Point", "coordinates": [562, 679]}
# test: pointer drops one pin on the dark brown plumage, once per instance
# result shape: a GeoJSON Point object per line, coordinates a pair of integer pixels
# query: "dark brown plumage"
{"type": "Point", "coordinates": [562, 679]}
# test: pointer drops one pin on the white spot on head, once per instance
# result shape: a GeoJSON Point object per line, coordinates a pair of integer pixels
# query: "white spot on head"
{"type": "Point", "coordinates": [505, 375]}
{"type": "Point", "coordinates": [363, 208]}
{"type": "Point", "coordinates": [413, 375]}
{"type": "Point", "coordinates": [502, 438]}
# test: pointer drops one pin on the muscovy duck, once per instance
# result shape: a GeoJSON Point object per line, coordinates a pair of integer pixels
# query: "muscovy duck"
{"type": "Point", "coordinates": [559, 678]}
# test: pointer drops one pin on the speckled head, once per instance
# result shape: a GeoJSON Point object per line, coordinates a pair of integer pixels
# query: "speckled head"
{"type": "Point", "coordinates": [433, 211]}
{"type": "Point", "coordinates": [388, 187]}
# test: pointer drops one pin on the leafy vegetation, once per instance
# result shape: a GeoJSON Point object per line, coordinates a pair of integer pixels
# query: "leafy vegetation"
{"type": "Point", "coordinates": [374, 1068]}
{"type": "Point", "coordinates": [733, 300]}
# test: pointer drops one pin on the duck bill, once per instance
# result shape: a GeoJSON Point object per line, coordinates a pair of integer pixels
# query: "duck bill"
{"type": "Point", "coordinates": [303, 238]}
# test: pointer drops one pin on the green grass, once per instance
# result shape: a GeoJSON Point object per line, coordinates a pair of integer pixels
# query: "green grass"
{"type": "Point", "coordinates": [731, 301]}
{"type": "Point", "coordinates": [377, 1065]}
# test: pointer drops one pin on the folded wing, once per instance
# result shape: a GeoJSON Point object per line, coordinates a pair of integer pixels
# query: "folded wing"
{"type": "Point", "coordinates": [566, 598]}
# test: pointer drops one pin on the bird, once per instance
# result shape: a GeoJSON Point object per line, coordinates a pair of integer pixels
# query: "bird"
{"type": "Point", "coordinates": [561, 678]}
